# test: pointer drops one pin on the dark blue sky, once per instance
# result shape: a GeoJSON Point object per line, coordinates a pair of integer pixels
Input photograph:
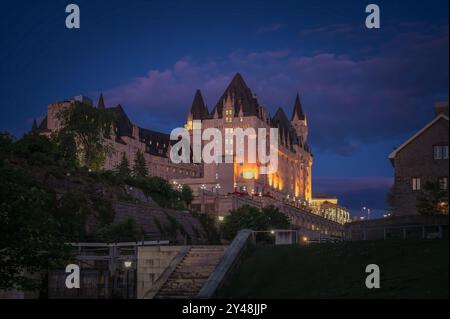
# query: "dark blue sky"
{"type": "Point", "coordinates": [364, 91]}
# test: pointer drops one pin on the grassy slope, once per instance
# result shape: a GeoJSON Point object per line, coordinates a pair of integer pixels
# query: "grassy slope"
{"type": "Point", "coordinates": [409, 269]}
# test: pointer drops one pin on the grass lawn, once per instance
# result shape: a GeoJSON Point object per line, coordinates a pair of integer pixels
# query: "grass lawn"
{"type": "Point", "coordinates": [409, 269]}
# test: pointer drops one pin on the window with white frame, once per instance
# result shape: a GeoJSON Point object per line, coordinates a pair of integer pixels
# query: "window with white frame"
{"type": "Point", "coordinates": [443, 182]}
{"type": "Point", "coordinates": [440, 152]}
{"type": "Point", "coordinates": [416, 183]}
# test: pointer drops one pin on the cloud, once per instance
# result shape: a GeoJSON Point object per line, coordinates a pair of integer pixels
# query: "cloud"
{"type": "Point", "coordinates": [328, 30]}
{"type": "Point", "coordinates": [269, 28]}
{"type": "Point", "coordinates": [350, 101]}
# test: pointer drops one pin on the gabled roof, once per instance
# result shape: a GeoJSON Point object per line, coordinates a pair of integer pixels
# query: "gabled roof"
{"type": "Point", "coordinates": [412, 138]}
{"type": "Point", "coordinates": [243, 97]}
{"type": "Point", "coordinates": [199, 110]}
{"type": "Point", "coordinates": [298, 110]}
{"type": "Point", "coordinates": [281, 121]}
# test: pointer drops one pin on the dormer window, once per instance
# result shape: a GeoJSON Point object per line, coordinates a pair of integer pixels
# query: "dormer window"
{"type": "Point", "coordinates": [228, 115]}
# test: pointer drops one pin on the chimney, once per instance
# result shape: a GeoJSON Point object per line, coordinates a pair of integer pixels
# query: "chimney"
{"type": "Point", "coordinates": [441, 108]}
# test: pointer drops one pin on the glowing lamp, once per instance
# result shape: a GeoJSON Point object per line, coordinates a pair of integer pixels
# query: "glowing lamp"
{"type": "Point", "coordinates": [248, 174]}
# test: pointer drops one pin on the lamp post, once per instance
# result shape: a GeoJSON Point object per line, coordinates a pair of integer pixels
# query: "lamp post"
{"type": "Point", "coordinates": [127, 264]}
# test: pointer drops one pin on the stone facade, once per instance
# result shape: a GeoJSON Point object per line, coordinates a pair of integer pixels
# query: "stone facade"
{"type": "Point", "coordinates": [152, 261]}
{"type": "Point", "coordinates": [127, 139]}
{"type": "Point", "coordinates": [421, 159]}
{"type": "Point", "coordinates": [239, 108]}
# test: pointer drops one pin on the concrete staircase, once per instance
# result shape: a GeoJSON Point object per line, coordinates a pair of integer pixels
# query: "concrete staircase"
{"type": "Point", "coordinates": [191, 273]}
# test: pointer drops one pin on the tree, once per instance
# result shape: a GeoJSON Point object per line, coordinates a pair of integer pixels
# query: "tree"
{"type": "Point", "coordinates": [123, 169]}
{"type": "Point", "coordinates": [36, 150]}
{"type": "Point", "coordinates": [253, 218]}
{"type": "Point", "coordinates": [6, 142]}
{"type": "Point", "coordinates": [432, 200]}
{"type": "Point", "coordinates": [186, 195]}
{"type": "Point", "coordinates": [30, 237]}
{"type": "Point", "coordinates": [90, 126]}
{"type": "Point", "coordinates": [66, 147]}
{"type": "Point", "coordinates": [128, 230]}
{"type": "Point", "coordinates": [140, 167]}
{"type": "Point", "coordinates": [277, 220]}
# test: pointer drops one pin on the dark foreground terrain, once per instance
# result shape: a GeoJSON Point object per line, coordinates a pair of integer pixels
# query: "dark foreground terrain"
{"type": "Point", "coordinates": [409, 269]}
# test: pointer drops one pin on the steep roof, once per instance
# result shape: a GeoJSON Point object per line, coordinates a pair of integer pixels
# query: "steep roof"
{"type": "Point", "coordinates": [298, 110]}
{"type": "Point", "coordinates": [157, 143]}
{"type": "Point", "coordinates": [123, 123]}
{"type": "Point", "coordinates": [242, 95]}
{"type": "Point", "coordinates": [285, 127]}
{"type": "Point", "coordinates": [199, 110]}
{"type": "Point", "coordinates": [43, 124]}
{"type": "Point", "coordinates": [412, 138]}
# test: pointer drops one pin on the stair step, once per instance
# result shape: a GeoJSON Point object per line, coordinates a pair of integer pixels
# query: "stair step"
{"type": "Point", "coordinates": [191, 273]}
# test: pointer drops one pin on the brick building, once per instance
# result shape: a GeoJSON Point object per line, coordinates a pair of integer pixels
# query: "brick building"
{"type": "Point", "coordinates": [422, 158]}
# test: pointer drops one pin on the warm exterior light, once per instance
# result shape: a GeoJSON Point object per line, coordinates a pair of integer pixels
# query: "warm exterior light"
{"type": "Point", "coordinates": [272, 232]}
{"type": "Point", "coordinates": [248, 174]}
{"type": "Point", "coordinates": [221, 218]}
{"type": "Point", "coordinates": [305, 239]}
{"type": "Point", "coordinates": [127, 263]}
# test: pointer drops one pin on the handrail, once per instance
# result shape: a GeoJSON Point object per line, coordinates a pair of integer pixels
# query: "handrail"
{"type": "Point", "coordinates": [153, 291]}
{"type": "Point", "coordinates": [226, 264]}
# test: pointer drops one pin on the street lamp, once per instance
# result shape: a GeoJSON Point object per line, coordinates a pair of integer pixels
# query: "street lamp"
{"type": "Point", "coordinates": [127, 264]}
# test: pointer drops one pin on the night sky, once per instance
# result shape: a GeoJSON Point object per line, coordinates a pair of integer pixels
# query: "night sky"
{"type": "Point", "coordinates": [364, 91]}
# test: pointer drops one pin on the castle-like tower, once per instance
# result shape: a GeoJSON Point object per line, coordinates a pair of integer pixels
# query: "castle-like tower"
{"type": "Point", "coordinates": [299, 121]}
{"type": "Point", "coordinates": [238, 107]}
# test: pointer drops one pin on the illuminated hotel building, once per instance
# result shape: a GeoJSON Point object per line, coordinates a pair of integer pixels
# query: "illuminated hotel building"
{"type": "Point", "coordinates": [239, 108]}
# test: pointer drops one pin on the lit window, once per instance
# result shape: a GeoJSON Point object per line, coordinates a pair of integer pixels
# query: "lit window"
{"type": "Point", "coordinates": [416, 184]}
{"type": "Point", "coordinates": [443, 183]}
{"type": "Point", "coordinates": [440, 152]}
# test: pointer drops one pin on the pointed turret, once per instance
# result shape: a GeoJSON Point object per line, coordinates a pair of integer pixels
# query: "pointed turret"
{"type": "Point", "coordinates": [239, 91]}
{"type": "Point", "coordinates": [199, 110]}
{"type": "Point", "coordinates": [101, 102]}
{"type": "Point", "coordinates": [299, 121]}
{"type": "Point", "coordinates": [298, 110]}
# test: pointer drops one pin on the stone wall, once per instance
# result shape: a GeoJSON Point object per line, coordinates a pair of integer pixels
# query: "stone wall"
{"type": "Point", "coordinates": [151, 263]}
{"type": "Point", "coordinates": [398, 227]}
